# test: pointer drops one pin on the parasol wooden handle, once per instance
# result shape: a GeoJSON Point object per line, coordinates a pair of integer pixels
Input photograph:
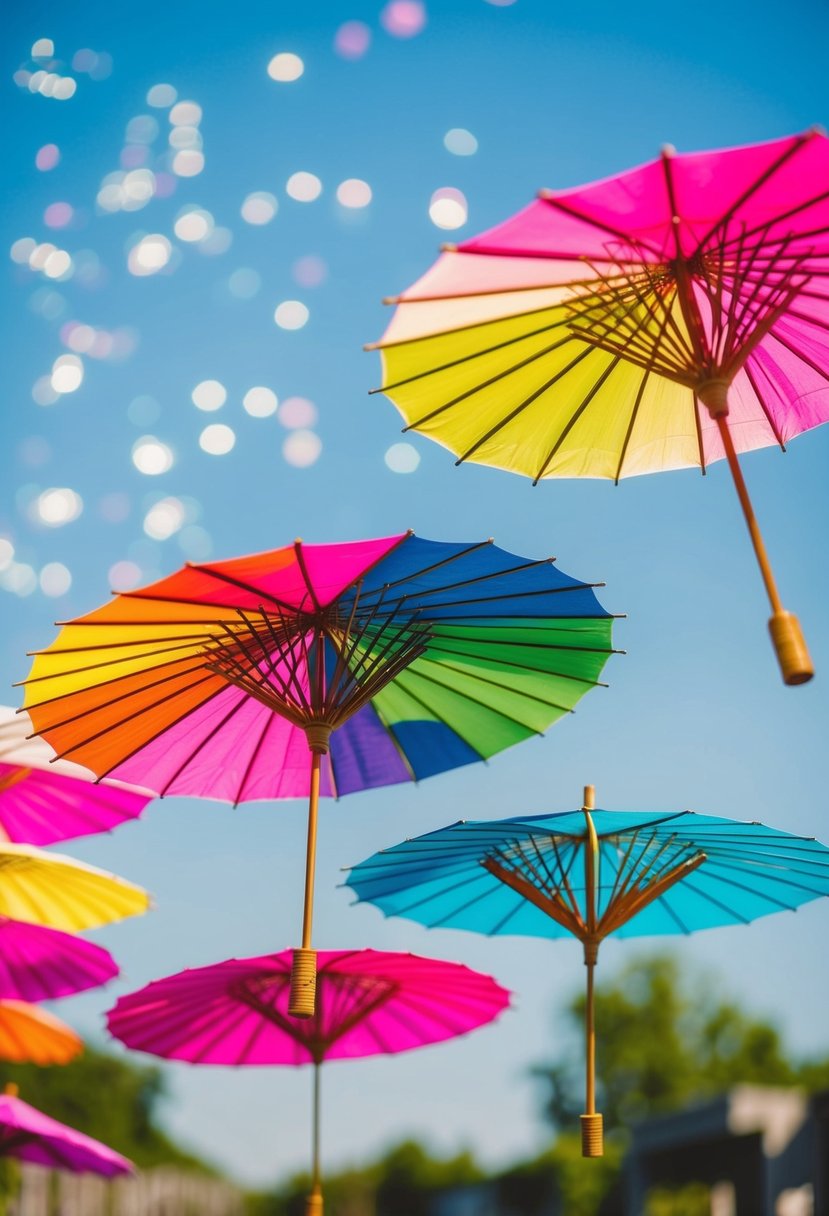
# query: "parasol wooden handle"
{"type": "Point", "coordinates": [790, 648]}
{"type": "Point", "coordinates": [592, 1136]}
{"type": "Point", "coordinates": [786, 635]}
{"type": "Point", "coordinates": [313, 1203]}
{"type": "Point", "coordinates": [302, 999]}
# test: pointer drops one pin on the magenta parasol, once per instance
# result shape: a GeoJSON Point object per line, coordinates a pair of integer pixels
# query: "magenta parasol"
{"type": "Point", "coordinates": [41, 964]}
{"type": "Point", "coordinates": [29, 1135]}
{"type": "Point", "coordinates": [43, 800]}
{"type": "Point", "coordinates": [369, 1002]}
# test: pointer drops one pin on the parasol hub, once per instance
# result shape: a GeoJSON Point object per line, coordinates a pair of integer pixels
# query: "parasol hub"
{"type": "Point", "coordinates": [591, 950]}
{"type": "Point", "coordinates": [318, 735]}
{"type": "Point", "coordinates": [713, 394]}
{"type": "Point", "coordinates": [11, 1090]}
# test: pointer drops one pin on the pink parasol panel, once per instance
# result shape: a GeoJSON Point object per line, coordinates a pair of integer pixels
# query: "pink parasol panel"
{"type": "Point", "coordinates": [43, 800]}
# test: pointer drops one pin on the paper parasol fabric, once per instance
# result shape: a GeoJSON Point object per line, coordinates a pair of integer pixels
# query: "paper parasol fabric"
{"type": "Point", "coordinates": [49, 889]}
{"type": "Point", "coordinates": [592, 874]}
{"type": "Point", "coordinates": [29, 1135]}
{"type": "Point", "coordinates": [43, 801]}
{"type": "Point", "coordinates": [673, 315]}
{"type": "Point", "coordinates": [41, 964]}
{"type": "Point", "coordinates": [369, 1002]}
{"type": "Point", "coordinates": [320, 669]}
{"type": "Point", "coordinates": [30, 1035]}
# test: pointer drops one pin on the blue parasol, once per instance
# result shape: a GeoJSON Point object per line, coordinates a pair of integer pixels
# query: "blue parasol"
{"type": "Point", "coordinates": [592, 874]}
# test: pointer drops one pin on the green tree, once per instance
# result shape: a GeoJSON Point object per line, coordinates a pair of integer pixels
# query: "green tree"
{"type": "Point", "coordinates": [403, 1182]}
{"type": "Point", "coordinates": [666, 1038]}
{"type": "Point", "coordinates": [108, 1098]}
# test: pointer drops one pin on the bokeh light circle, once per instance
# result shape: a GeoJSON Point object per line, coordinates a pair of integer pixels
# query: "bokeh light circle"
{"type": "Point", "coordinates": [161, 96]}
{"type": "Point", "coordinates": [402, 458]}
{"type": "Point", "coordinates": [47, 157]}
{"type": "Point", "coordinates": [164, 519]}
{"type": "Point", "coordinates": [302, 448]}
{"type": "Point", "coordinates": [124, 575]}
{"type": "Point", "coordinates": [209, 395]}
{"type": "Point", "coordinates": [186, 114]}
{"type": "Point", "coordinates": [151, 457]}
{"type": "Point", "coordinates": [55, 579]}
{"type": "Point", "coordinates": [58, 215]}
{"type": "Point", "coordinates": [309, 271]}
{"type": "Point", "coordinates": [67, 373]}
{"type": "Point", "coordinates": [298, 413]}
{"type": "Point", "coordinates": [291, 314]}
{"type": "Point", "coordinates": [303, 187]}
{"type": "Point", "coordinates": [260, 402]}
{"type": "Point", "coordinates": [188, 163]}
{"type": "Point", "coordinates": [354, 192]}
{"type": "Point", "coordinates": [244, 283]}
{"type": "Point", "coordinates": [403, 18]}
{"type": "Point", "coordinates": [460, 142]}
{"type": "Point", "coordinates": [448, 208]}
{"type": "Point", "coordinates": [194, 224]}
{"type": "Point", "coordinates": [285, 67]}
{"type": "Point", "coordinates": [58, 506]}
{"type": "Point", "coordinates": [259, 208]}
{"type": "Point", "coordinates": [149, 255]}
{"type": "Point", "coordinates": [352, 39]}
{"type": "Point", "coordinates": [217, 439]}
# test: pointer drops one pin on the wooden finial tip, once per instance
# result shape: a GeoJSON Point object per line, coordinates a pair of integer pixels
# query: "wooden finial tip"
{"type": "Point", "coordinates": [448, 247]}
{"type": "Point", "coordinates": [589, 797]}
{"type": "Point", "coordinates": [11, 1090]}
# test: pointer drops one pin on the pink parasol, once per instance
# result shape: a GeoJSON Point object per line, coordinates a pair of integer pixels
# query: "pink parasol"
{"type": "Point", "coordinates": [41, 964]}
{"type": "Point", "coordinates": [29, 1135]}
{"type": "Point", "coordinates": [670, 316]}
{"type": "Point", "coordinates": [43, 800]}
{"type": "Point", "coordinates": [369, 1002]}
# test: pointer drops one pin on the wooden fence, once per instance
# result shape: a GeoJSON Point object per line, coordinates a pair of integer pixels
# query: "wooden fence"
{"type": "Point", "coordinates": [166, 1191]}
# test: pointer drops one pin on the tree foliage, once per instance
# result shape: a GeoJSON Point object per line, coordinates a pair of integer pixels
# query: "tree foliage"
{"type": "Point", "coordinates": [667, 1038]}
{"type": "Point", "coordinates": [108, 1098]}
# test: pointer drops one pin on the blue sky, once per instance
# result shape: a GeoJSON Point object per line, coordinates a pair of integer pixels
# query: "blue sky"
{"type": "Point", "coordinates": [695, 716]}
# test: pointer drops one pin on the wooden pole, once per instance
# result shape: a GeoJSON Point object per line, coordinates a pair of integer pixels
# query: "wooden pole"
{"type": "Point", "coordinates": [313, 1203]}
{"type": "Point", "coordinates": [302, 1000]}
{"type": "Point", "coordinates": [311, 851]}
{"type": "Point", "coordinates": [591, 1121]}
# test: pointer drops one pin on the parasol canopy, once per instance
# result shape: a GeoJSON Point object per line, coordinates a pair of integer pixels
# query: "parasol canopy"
{"type": "Point", "coordinates": [29, 1135]}
{"type": "Point", "coordinates": [670, 316]}
{"type": "Point", "coordinates": [316, 670]}
{"type": "Point", "coordinates": [43, 800]}
{"type": "Point", "coordinates": [369, 1002]}
{"type": "Point", "coordinates": [48, 889]}
{"type": "Point", "coordinates": [593, 874]}
{"type": "Point", "coordinates": [30, 1035]}
{"type": "Point", "coordinates": [41, 964]}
